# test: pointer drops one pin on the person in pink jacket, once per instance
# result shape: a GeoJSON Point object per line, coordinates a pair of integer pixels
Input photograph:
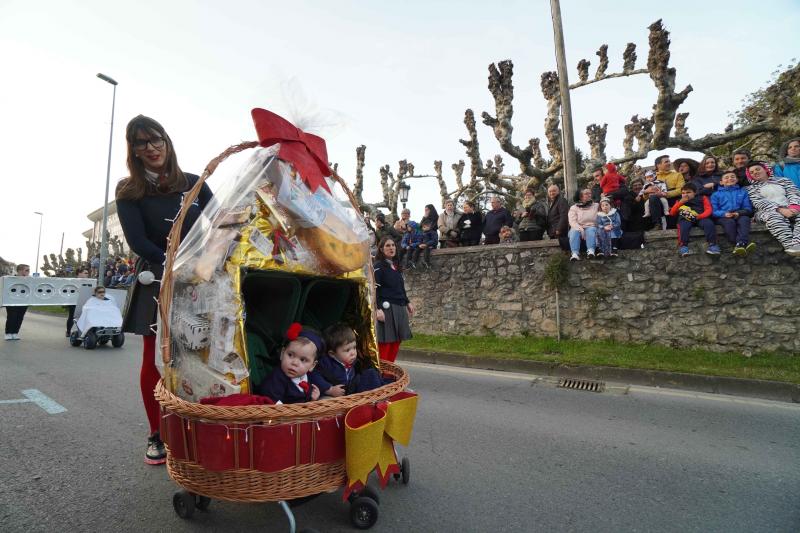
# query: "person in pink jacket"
{"type": "Point", "coordinates": [583, 225]}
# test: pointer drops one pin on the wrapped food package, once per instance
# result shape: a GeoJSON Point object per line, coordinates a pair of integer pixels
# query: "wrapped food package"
{"type": "Point", "coordinates": [264, 219]}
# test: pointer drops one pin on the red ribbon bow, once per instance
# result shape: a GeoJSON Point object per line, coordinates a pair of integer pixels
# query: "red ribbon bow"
{"type": "Point", "coordinates": [305, 386]}
{"type": "Point", "coordinates": [294, 331]}
{"type": "Point", "coordinates": [305, 151]}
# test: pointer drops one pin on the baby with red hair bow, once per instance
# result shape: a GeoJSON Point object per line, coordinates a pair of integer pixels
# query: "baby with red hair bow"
{"type": "Point", "coordinates": [294, 381]}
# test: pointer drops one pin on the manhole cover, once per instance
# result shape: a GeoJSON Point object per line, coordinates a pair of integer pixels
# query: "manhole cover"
{"type": "Point", "coordinates": [582, 384]}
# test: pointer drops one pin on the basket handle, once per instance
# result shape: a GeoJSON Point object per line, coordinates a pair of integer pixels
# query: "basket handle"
{"type": "Point", "coordinates": [174, 240]}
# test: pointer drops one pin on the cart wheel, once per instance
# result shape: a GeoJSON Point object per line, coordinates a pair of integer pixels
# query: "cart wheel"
{"type": "Point", "coordinates": [405, 470]}
{"type": "Point", "coordinates": [75, 338]}
{"type": "Point", "coordinates": [118, 340]}
{"type": "Point", "coordinates": [183, 502]}
{"type": "Point", "coordinates": [90, 340]}
{"type": "Point", "coordinates": [363, 512]}
{"type": "Point", "coordinates": [202, 503]}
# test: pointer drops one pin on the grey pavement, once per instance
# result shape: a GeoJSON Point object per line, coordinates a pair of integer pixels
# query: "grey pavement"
{"type": "Point", "coordinates": [491, 451]}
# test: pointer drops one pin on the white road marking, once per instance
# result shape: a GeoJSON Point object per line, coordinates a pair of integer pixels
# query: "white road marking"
{"type": "Point", "coordinates": [48, 404]}
{"type": "Point", "coordinates": [631, 388]}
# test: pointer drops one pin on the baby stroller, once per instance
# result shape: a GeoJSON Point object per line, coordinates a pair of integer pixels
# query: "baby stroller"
{"type": "Point", "coordinates": [100, 321]}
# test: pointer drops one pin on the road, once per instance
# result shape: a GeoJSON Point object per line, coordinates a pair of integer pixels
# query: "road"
{"type": "Point", "coordinates": [491, 452]}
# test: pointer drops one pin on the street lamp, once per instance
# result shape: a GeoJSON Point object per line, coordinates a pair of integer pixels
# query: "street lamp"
{"type": "Point", "coordinates": [103, 241]}
{"type": "Point", "coordinates": [39, 244]}
{"type": "Point", "coordinates": [403, 190]}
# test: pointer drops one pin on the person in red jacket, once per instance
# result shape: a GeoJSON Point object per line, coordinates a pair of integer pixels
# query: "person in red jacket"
{"type": "Point", "coordinates": [612, 180]}
{"type": "Point", "coordinates": [693, 210]}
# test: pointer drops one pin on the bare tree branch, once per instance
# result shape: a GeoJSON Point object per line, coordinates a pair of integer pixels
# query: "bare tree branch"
{"type": "Point", "coordinates": [663, 77]}
{"type": "Point", "coordinates": [602, 53]}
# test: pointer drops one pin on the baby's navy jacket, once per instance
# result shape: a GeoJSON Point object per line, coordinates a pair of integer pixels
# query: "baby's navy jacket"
{"type": "Point", "coordinates": [355, 379]}
{"type": "Point", "coordinates": [281, 388]}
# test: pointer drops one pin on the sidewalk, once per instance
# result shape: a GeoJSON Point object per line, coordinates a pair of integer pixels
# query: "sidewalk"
{"type": "Point", "coordinates": [754, 388]}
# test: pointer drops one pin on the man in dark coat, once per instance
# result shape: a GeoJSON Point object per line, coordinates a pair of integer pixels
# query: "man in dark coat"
{"type": "Point", "coordinates": [597, 189]}
{"type": "Point", "coordinates": [740, 160]}
{"type": "Point", "coordinates": [557, 209]}
{"type": "Point", "coordinates": [495, 219]}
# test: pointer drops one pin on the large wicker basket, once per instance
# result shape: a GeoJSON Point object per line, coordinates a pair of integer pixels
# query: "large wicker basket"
{"type": "Point", "coordinates": [247, 484]}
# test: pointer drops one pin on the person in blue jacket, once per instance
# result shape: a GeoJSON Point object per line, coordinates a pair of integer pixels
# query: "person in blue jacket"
{"type": "Point", "coordinates": [732, 209]}
{"type": "Point", "coordinates": [789, 166]}
{"type": "Point", "coordinates": [411, 241]}
{"type": "Point", "coordinates": [609, 228]}
{"type": "Point", "coordinates": [428, 241]}
{"type": "Point", "coordinates": [147, 202]}
{"type": "Point", "coordinates": [341, 370]}
{"type": "Point", "coordinates": [294, 381]}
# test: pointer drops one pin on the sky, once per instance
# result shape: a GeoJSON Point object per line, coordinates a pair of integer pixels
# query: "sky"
{"type": "Point", "coordinates": [395, 76]}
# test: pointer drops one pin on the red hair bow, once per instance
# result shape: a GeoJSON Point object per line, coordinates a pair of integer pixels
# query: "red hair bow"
{"type": "Point", "coordinates": [305, 151]}
{"type": "Point", "coordinates": [294, 331]}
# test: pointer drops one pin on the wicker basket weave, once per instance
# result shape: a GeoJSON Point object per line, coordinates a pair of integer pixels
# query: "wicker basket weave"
{"type": "Point", "coordinates": [245, 484]}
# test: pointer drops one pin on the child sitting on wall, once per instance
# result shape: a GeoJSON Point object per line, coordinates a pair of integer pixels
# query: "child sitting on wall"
{"type": "Point", "coordinates": [429, 241]}
{"type": "Point", "coordinates": [341, 371]}
{"type": "Point", "coordinates": [693, 210]}
{"type": "Point", "coordinates": [651, 185]}
{"type": "Point", "coordinates": [293, 381]}
{"type": "Point", "coordinates": [412, 238]}
{"type": "Point", "coordinates": [609, 227]}
{"type": "Point", "coordinates": [506, 235]}
{"type": "Point", "coordinates": [732, 210]}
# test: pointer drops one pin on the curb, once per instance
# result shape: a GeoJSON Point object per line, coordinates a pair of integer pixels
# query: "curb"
{"type": "Point", "coordinates": [753, 388]}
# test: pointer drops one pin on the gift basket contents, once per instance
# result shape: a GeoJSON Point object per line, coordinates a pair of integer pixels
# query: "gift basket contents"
{"type": "Point", "coordinates": [256, 407]}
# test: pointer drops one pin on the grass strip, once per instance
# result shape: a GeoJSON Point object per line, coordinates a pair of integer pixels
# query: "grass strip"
{"type": "Point", "coordinates": [767, 366]}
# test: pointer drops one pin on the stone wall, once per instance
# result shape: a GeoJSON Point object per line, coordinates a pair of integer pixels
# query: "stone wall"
{"type": "Point", "coordinates": [722, 303]}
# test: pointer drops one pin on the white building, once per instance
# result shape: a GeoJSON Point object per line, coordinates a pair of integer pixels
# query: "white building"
{"type": "Point", "coordinates": [113, 226]}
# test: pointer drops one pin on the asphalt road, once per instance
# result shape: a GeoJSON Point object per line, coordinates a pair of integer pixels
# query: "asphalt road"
{"type": "Point", "coordinates": [491, 452]}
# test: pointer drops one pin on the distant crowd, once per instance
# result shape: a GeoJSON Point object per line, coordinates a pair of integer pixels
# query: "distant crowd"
{"type": "Point", "coordinates": [613, 212]}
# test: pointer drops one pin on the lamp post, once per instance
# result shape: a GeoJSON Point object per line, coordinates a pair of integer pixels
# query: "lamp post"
{"type": "Point", "coordinates": [39, 243]}
{"type": "Point", "coordinates": [403, 189]}
{"type": "Point", "coordinates": [103, 240]}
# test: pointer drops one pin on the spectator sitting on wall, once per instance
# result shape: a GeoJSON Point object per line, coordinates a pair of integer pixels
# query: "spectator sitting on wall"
{"type": "Point", "coordinates": [531, 220]}
{"type": "Point", "coordinates": [596, 187]}
{"type": "Point", "coordinates": [448, 225]}
{"type": "Point", "coordinates": [609, 229]}
{"type": "Point", "coordinates": [777, 204]}
{"type": "Point", "coordinates": [495, 219]}
{"type": "Point", "coordinates": [470, 225]}
{"type": "Point", "coordinates": [507, 235]}
{"type": "Point", "coordinates": [731, 209]}
{"type": "Point", "coordinates": [707, 178]}
{"type": "Point", "coordinates": [740, 160]}
{"type": "Point", "coordinates": [694, 210]}
{"type": "Point", "coordinates": [557, 209]}
{"type": "Point", "coordinates": [687, 167]}
{"type": "Point", "coordinates": [411, 239]}
{"type": "Point", "coordinates": [656, 206]}
{"type": "Point", "coordinates": [405, 217]}
{"type": "Point", "coordinates": [633, 207]}
{"type": "Point", "coordinates": [428, 241]}
{"type": "Point", "coordinates": [611, 183]}
{"type": "Point", "coordinates": [583, 226]}
{"type": "Point", "coordinates": [789, 165]}
{"type": "Point", "coordinates": [674, 181]}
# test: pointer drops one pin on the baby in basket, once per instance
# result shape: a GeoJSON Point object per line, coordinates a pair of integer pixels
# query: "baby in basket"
{"type": "Point", "coordinates": [294, 381]}
{"type": "Point", "coordinates": [341, 371]}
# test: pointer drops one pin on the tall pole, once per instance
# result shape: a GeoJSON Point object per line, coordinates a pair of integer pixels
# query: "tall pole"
{"type": "Point", "coordinates": [103, 240]}
{"type": "Point", "coordinates": [39, 243]}
{"type": "Point", "coordinates": [61, 250]}
{"type": "Point", "coordinates": [570, 179]}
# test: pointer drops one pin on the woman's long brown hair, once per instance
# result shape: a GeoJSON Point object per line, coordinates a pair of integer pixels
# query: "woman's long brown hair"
{"type": "Point", "coordinates": [136, 185]}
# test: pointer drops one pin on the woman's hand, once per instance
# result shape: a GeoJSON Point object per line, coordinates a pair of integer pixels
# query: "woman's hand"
{"type": "Point", "coordinates": [336, 391]}
{"type": "Point", "coordinates": [410, 309]}
{"type": "Point", "coordinates": [380, 316]}
{"type": "Point", "coordinates": [314, 392]}
{"type": "Point", "coordinates": [785, 211]}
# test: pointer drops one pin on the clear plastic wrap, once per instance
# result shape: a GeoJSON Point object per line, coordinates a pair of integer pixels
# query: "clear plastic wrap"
{"type": "Point", "coordinates": [265, 218]}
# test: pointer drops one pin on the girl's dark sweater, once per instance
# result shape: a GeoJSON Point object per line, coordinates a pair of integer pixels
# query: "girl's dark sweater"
{"type": "Point", "coordinates": [147, 222]}
{"type": "Point", "coordinates": [390, 285]}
